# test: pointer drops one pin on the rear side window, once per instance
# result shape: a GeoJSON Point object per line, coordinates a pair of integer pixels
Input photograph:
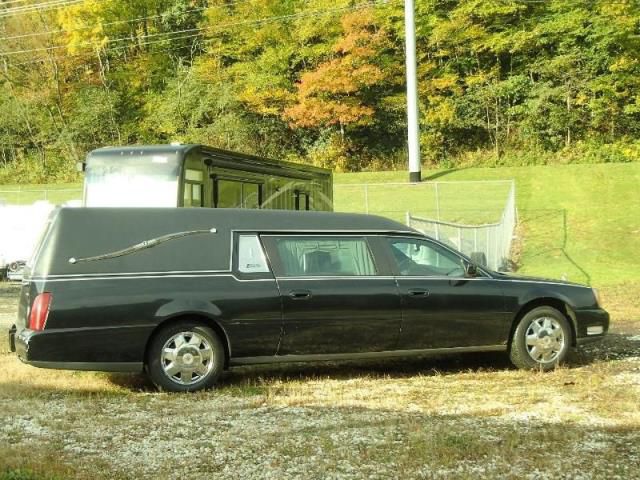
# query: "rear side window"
{"type": "Point", "coordinates": [251, 258]}
{"type": "Point", "coordinates": [323, 256]}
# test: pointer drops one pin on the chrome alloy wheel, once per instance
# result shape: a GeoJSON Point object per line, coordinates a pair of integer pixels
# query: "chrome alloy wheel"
{"type": "Point", "coordinates": [187, 358]}
{"type": "Point", "coordinates": [544, 339]}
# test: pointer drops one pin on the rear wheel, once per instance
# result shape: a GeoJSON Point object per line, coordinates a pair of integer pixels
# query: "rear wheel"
{"type": "Point", "coordinates": [541, 340]}
{"type": "Point", "coordinates": [185, 357]}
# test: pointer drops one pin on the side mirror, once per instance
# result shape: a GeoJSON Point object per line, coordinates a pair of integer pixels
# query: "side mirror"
{"type": "Point", "coordinates": [80, 167]}
{"type": "Point", "coordinates": [470, 270]}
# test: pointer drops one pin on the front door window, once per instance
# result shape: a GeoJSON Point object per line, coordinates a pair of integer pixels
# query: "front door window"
{"type": "Point", "coordinates": [416, 257]}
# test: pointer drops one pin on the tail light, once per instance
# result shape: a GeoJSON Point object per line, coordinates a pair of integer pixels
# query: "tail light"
{"type": "Point", "coordinates": [40, 311]}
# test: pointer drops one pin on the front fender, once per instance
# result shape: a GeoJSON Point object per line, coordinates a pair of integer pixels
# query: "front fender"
{"type": "Point", "coordinates": [577, 297]}
{"type": "Point", "coordinates": [545, 293]}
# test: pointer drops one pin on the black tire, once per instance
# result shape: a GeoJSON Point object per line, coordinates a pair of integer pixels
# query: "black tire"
{"type": "Point", "coordinates": [523, 354]}
{"type": "Point", "coordinates": [158, 367]}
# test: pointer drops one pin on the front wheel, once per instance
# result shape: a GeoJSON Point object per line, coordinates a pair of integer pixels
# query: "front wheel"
{"type": "Point", "coordinates": [185, 357]}
{"type": "Point", "coordinates": [541, 340]}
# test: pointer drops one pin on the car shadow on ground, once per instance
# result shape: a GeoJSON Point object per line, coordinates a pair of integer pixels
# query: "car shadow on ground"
{"type": "Point", "coordinates": [614, 347]}
{"type": "Point", "coordinates": [343, 370]}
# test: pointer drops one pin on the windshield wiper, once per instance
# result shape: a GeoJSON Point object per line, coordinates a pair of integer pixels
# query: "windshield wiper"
{"type": "Point", "coordinates": [140, 246]}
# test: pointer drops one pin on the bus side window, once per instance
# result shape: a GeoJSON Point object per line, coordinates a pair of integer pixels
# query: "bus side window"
{"type": "Point", "coordinates": [302, 201]}
{"type": "Point", "coordinates": [193, 188]}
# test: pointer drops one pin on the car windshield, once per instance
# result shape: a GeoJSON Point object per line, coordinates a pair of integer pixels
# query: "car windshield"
{"type": "Point", "coordinates": [140, 181]}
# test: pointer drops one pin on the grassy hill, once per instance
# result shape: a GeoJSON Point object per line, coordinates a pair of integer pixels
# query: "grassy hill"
{"type": "Point", "coordinates": [581, 221]}
{"type": "Point", "coordinates": [578, 221]}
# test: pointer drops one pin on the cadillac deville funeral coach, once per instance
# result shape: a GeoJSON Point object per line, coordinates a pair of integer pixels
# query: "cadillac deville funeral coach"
{"type": "Point", "coordinates": [186, 293]}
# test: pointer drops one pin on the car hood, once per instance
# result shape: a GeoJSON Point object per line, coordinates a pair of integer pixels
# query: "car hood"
{"type": "Point", "coordinates": [523, 278]}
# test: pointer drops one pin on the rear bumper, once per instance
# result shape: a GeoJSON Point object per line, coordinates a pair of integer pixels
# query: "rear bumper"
{"type": "Point", "coordinates": [43, 350]}
{"type": "Point", "coordinates": [592, 325]}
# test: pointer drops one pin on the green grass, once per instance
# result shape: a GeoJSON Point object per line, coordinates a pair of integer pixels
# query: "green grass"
{"type": "Point", "coordinates": [472, 203]}
{"type": "Point", "coordinates": [25, 475]}
{"type": "Point", "coordinates": [578, 221]}
{"type": "Point", "coordinates": [27, 194]}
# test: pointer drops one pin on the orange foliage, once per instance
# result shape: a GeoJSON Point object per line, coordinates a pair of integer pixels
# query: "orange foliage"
{"type": "Point", "coordinates": [332, 93]}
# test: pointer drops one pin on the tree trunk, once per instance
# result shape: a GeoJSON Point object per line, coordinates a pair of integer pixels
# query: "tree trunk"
{"type": "Point", "coordinates": [568, 140]}
{"type": "Point", "coordinates": [497, 127]}
{"type": "Point", "coordinates": [112, 117]}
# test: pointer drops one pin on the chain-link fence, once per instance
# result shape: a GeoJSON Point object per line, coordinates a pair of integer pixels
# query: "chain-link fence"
{"type": "Point", "coordinates": [57, 196]}
{"type": "Point", "coordinates": [488, 244]}
{"type": "Point", "coordinates": [475, 217]}
{"type": "Point", "coordinates": [471, 202]}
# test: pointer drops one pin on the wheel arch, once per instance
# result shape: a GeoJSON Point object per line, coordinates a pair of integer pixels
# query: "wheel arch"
{"type": "Point", "coordinates": [198, 317]}
{"type": "Point", "coordinates": [545, 301]}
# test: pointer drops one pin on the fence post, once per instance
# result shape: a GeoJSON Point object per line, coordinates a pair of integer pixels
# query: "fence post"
{"type": "Point", "coordinates": [366, 198]}
{"type": "Point", "coordinates": [495, 248]}
{"type": "Point", "coordinates": [488, 246]}
{"type": "Point", "coordinates": [437, 201]}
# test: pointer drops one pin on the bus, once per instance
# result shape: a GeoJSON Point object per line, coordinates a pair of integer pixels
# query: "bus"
{"type": "Point", "coordinates": [179, 175]}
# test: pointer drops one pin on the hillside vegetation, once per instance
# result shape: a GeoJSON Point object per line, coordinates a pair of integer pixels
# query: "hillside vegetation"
{"type": "Point", "coordinates": [506, 82]}
{"type": "Point", "coordinates": [578, 221]}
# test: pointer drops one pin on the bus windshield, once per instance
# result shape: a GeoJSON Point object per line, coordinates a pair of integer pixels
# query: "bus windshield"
{"type": "Point", "coordinates": [140, 181]}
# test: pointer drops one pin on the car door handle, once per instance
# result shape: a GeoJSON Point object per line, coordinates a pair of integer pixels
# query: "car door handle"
{"type": "Point", "coordinates": [300, 294]}
{"type": "Point", "coordinates": [418, 292]}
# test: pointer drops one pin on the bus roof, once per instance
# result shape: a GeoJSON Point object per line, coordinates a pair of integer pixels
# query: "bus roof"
{"type": "Point", "coordinates": [217, 155]}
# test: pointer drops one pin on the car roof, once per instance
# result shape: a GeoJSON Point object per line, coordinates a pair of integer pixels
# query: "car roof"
{"type": "Point", "coordinates": [239, 219]}
{"type": "Point", "coordinates": [81, 233]}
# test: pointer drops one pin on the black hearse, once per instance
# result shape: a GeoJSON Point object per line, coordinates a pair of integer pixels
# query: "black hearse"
{"type": "Point", "coordinates": [179, 175]}
{"type": "Point", "coordinates": [185, 293]}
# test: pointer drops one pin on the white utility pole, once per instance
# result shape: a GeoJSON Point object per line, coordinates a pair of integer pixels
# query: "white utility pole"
{"type": "Point", "coordinates": [412, 93]}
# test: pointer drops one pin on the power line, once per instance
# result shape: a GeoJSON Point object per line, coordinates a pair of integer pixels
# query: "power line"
{"type": "Point", "coordinates": [22, 7]}
{"type": "Point", "coordinates": [13, 1]}
{"type": "Point", "coordinates": [37, 7]}
{"type": "Point", "coordinates": [274, 19]}
{"type": "Point", "coordinates": [195, 32]}
{"type": "Point", "coordinates": [117, 22]}
{"type": "Point", "coordinates": [114, 40]}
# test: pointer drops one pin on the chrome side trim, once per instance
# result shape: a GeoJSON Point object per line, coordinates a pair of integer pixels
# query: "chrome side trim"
{"type": "Point", "coordinates": [227, 273]}
{"type": "Point", "coordinates": [139, 277]}
{"type": "Point", "coordinates": [123, 274]}
{"type": "Point", "coordinates": [338, 277]}
{"type": "Point", "coordinates": [362, 356]}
